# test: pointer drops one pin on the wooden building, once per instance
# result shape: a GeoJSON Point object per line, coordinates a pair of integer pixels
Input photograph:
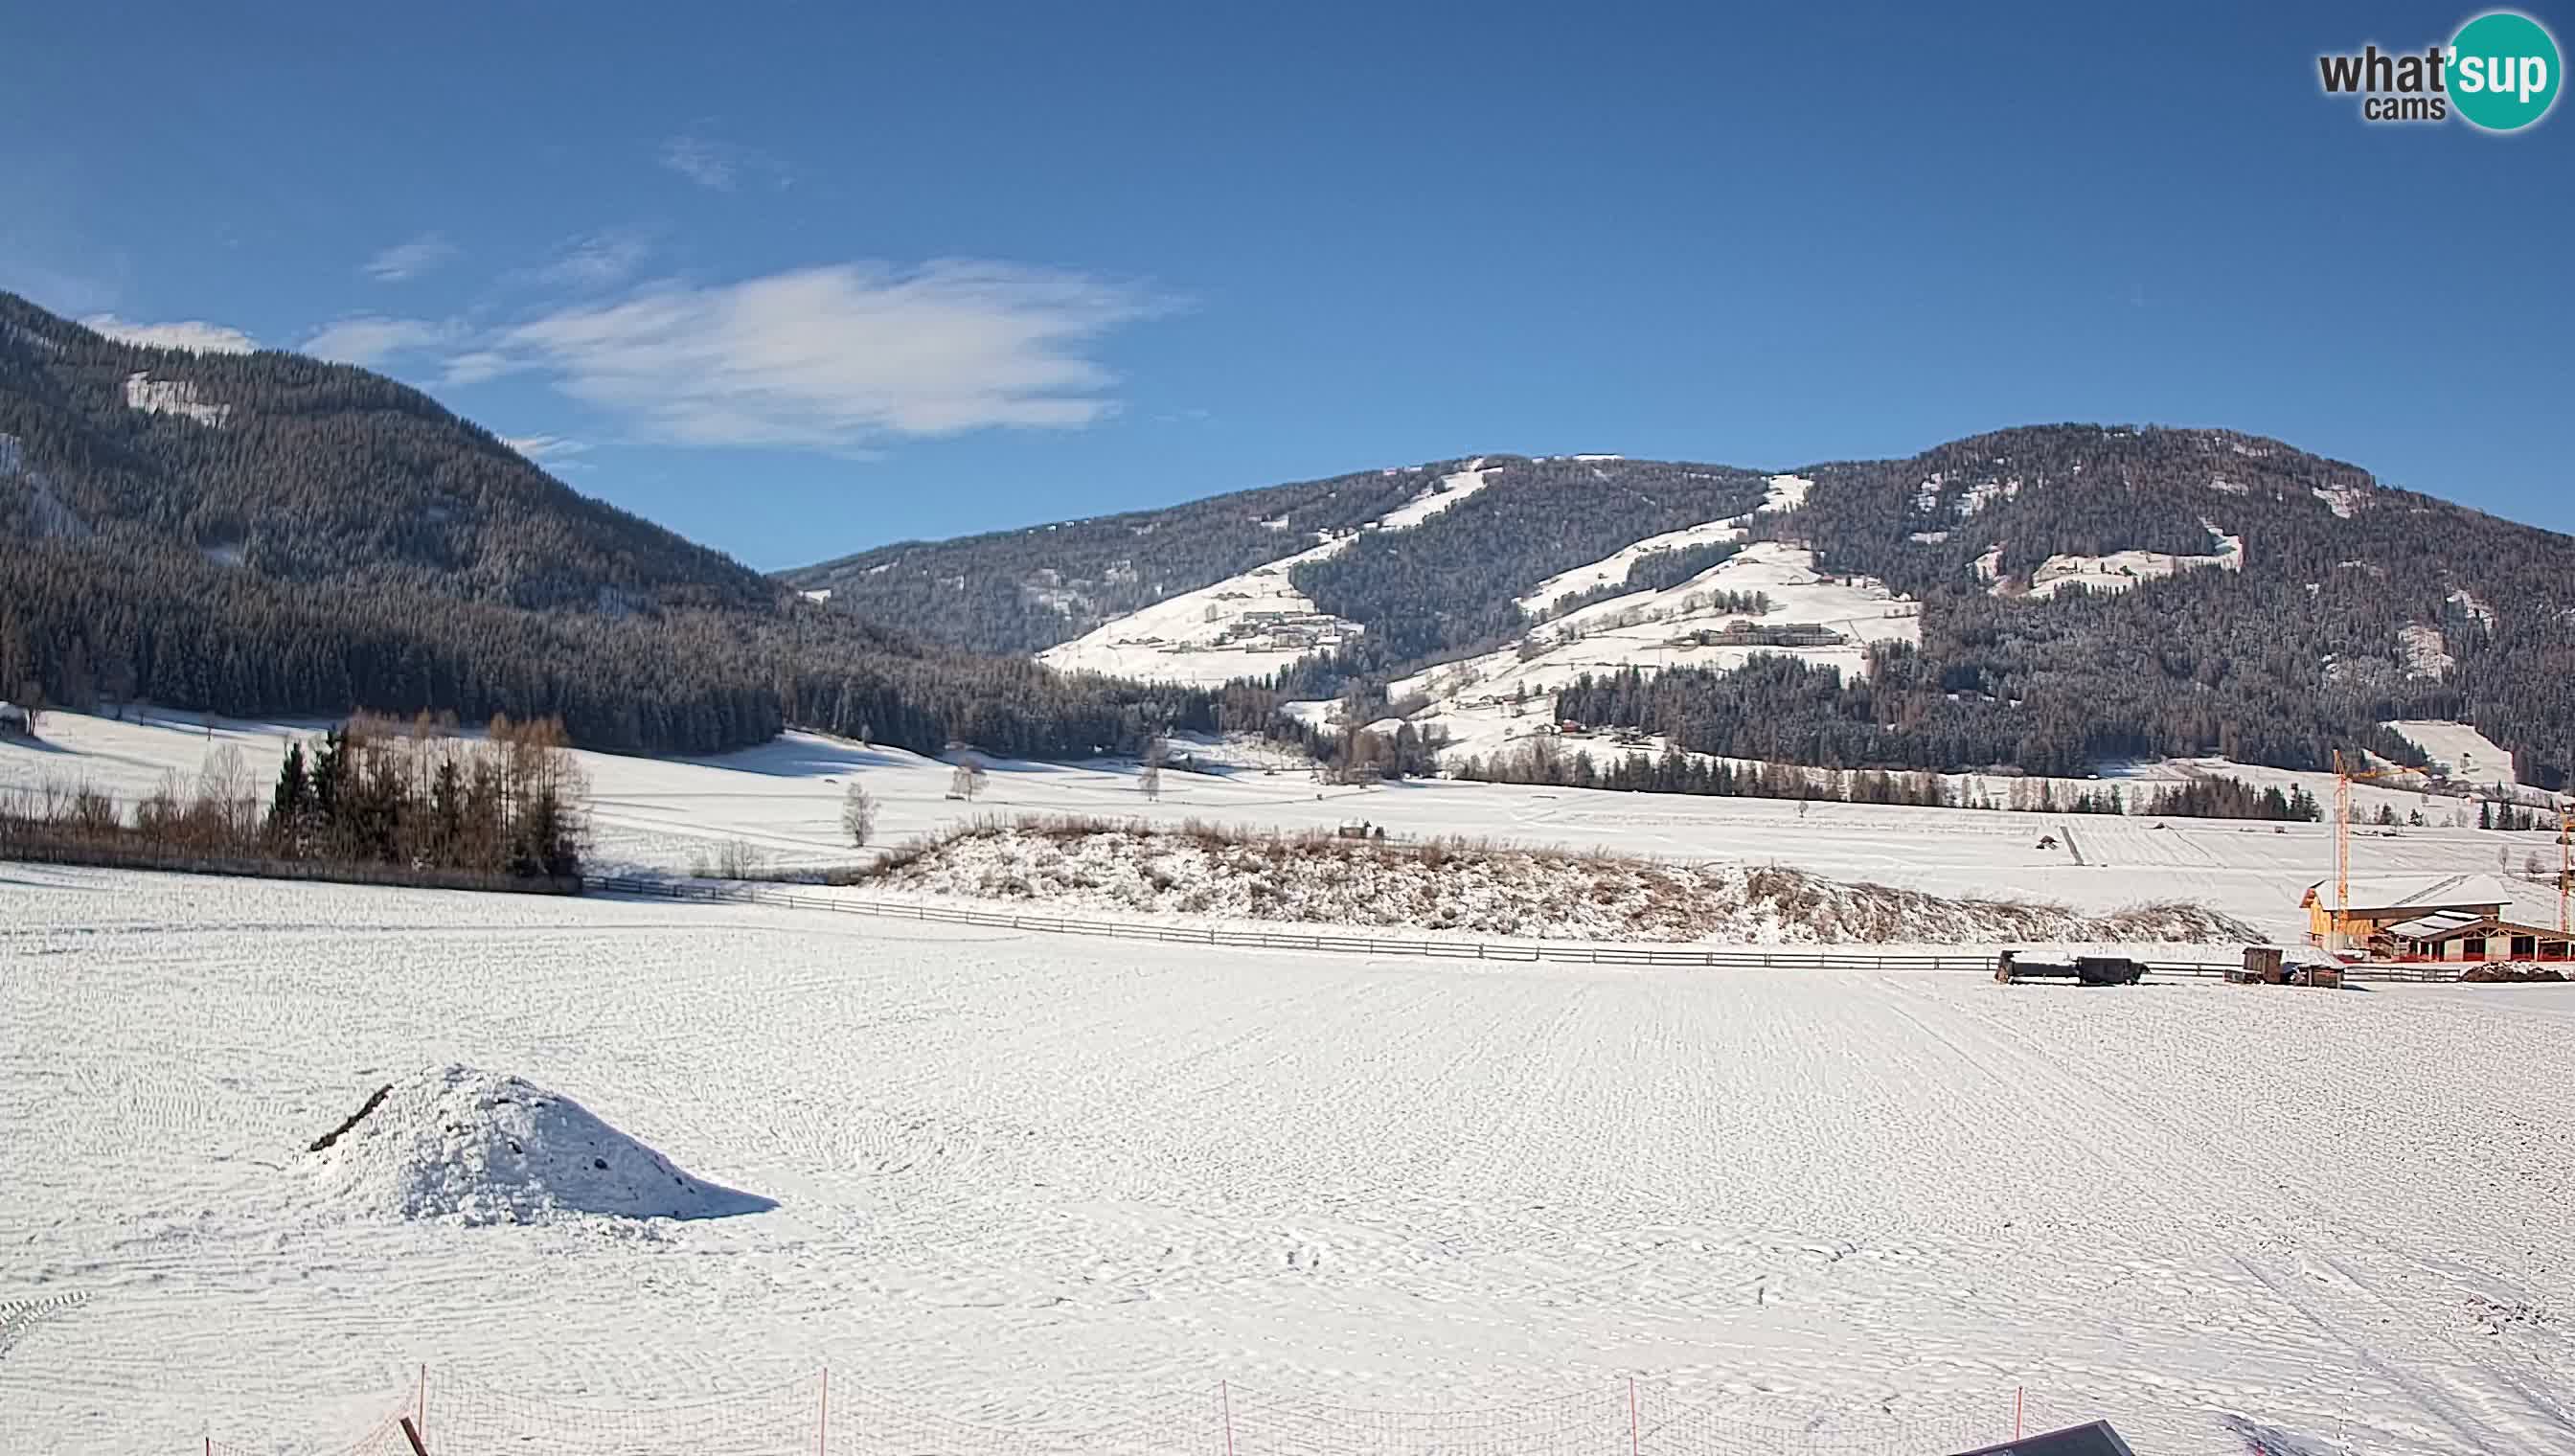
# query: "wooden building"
{"type": "Point", "coordinates": [2462, 917]}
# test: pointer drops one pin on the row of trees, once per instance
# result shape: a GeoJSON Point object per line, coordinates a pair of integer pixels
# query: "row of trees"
{"type": "Point", "coordinates": [1544, 760]}
{"type": "Point", "coordinates": [373, 791]}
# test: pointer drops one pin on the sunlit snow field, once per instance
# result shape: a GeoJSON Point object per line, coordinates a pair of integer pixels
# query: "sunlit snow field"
{"type": "Point", "coordinates": [1033, 1179]}
{"type": "Point", "coordinates": [783, 800]}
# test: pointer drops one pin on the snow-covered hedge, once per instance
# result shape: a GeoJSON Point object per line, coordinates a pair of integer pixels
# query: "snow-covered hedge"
{"type": "Point", "coordinates": [1484, 887]}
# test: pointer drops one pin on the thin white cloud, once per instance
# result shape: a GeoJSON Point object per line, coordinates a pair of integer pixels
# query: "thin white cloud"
{"type": "Point", "coordinates": [405, 260]}
{"type": "Point", "coordinates": [830, 358]}
{"type": "Point", "coordinates": [475, 365]}
{"type": "Point", "coordinates": [194, 334]}
{"type": "Point", "coordinates": [368, 340]}
{"type": "Point", "coordinates": [722, 164]}
{"type": "Point", "coordinates": [545, 448]}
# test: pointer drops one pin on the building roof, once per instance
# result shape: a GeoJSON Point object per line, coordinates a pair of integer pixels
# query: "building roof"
{"type": "Point", "coordinates": [2425, 893]}
{"type": "Point", "coordinates": [2437, 924]}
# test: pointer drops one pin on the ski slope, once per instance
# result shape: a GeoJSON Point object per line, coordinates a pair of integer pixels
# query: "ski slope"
{"type": "Point", "coordinates": [782, 800]}
{"type": "Point", "coordinates": [1246, 626]}
{"type": "Point", "coordinates": [1053, 1183]}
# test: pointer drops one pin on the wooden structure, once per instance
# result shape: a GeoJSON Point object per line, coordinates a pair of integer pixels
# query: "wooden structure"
{"type": "Point", "coordinates": [2343, 916]}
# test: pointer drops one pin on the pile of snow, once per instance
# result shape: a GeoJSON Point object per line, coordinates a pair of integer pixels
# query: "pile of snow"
{"type": "Point", "coordinates": [1449, 885]}
{"type": "Point", "coordinates": [469, 1146]}
{"type": "Point", "coordinates": [2340, 500]}
{"type": "Point", "coordinates": [172, 397]}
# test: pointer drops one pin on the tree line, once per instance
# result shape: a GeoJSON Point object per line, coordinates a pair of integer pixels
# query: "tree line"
{"type": "Point", "coordinates": [372, 792]}
{"type": "Point", "coordinates": [1544, 759]}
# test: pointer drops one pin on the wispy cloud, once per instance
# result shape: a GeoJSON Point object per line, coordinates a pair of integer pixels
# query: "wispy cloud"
{"type": "Point", "coordinates": [367, 340]}
{"type": "Point", "coordinates": [405, 260]}
{"type": "Point", "coordinates": [554, 452]}
{"type": "Point", "coordinates": [722, 164]}
{"type": "Point", "coordinates": [193, 334]}
{"type": "Point", "coordinates": [832, 358]}
{"type": "Point", "coordinates": [545, 447]}
{"type": "Point", "coordinates": [475, 365]}
{"type": "Point", "coordinates": [602, 260]}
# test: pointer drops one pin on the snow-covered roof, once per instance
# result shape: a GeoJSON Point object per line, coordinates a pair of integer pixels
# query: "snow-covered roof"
{"type": "Point", "coordinates": [2436, 924]}
{"type": "Point", "coordinates": [2429, 892]}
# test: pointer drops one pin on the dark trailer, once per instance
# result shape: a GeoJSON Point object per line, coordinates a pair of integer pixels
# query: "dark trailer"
{"type": "Point", "coordinates": [2090, 970]}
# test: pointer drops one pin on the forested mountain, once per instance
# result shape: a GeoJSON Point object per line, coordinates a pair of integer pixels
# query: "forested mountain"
{"type": "Point", "coordinates": [1019, 591]}
{"type": "Point", "coordinates": [2311, 603]}
{"type": "Point", "coordinates": [265, 533]}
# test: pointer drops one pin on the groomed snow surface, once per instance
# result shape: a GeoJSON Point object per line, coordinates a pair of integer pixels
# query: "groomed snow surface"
{"type": "Point", "coordinates": [1054, 1184]}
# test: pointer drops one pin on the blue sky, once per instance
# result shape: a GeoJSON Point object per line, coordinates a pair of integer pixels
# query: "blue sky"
{"type": "Point", "coordinates": [797, 280]}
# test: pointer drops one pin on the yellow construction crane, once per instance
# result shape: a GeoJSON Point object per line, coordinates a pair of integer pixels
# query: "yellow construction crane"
{"type": "Point", "coordinates": [2343, 779]}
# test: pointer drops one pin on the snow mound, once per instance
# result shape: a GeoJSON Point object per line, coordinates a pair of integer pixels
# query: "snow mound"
{"type": "Point", "coordinates": [462, 1145]}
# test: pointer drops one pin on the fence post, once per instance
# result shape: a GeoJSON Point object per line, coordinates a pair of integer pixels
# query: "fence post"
{"type": "Point", "coordinates": [420, 1401]}
{"type": "Point", "coordinates": [1636, 1431]}
{"type": "Point", "coordinates": [1225, 1394]}
{"type": "Point", "coordinates": [2017, 1393]}
{"type": "Point", "coordinates": [823, 1416]}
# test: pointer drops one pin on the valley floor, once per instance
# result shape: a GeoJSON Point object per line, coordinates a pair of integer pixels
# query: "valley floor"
{"type": "Point", "coordinates": [783, 801]}
{"type": "Point", "coordinates": [1035, 1180]}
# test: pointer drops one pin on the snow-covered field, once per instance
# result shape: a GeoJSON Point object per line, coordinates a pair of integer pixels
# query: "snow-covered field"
{"type": "Point", "coordinates": [1057, 1184]}
{"type": "Point", "coordinates": [784, 798]}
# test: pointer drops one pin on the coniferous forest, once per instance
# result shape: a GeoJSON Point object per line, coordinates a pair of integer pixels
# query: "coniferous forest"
{"type": "Point", "coordinates": [317, 537]}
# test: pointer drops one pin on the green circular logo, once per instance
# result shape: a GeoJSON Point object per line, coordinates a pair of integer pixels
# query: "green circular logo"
{"type": "Point", "coordinates": [2504, 71]}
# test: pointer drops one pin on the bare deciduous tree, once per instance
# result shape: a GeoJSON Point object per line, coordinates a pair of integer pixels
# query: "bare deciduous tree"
{"type": "Point", "coordinates": [857, 813]}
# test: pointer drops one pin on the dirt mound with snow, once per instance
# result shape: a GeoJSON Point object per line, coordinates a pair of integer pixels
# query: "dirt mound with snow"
{"type": "Point", "coordinates": [460, 1144]}
{"type": "Point", "coordinates": [1449, 885]}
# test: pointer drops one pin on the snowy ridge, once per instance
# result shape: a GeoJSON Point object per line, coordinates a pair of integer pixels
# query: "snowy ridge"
{"type": "Point", "coordinates": [1246, 626]}
{"type": "Point", "coordinates": [172, 397]}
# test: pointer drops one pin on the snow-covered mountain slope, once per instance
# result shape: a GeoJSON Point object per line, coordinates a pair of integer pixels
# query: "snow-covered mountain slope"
{"type": "Point", "coordinates": [2120, 570]}
{"type": "Point", "coordinates": [1787, 493]}
{"type": "Point", "coordinates": [1246, 626]}
{"type": "Point", "coordinates": [1703, 622]}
